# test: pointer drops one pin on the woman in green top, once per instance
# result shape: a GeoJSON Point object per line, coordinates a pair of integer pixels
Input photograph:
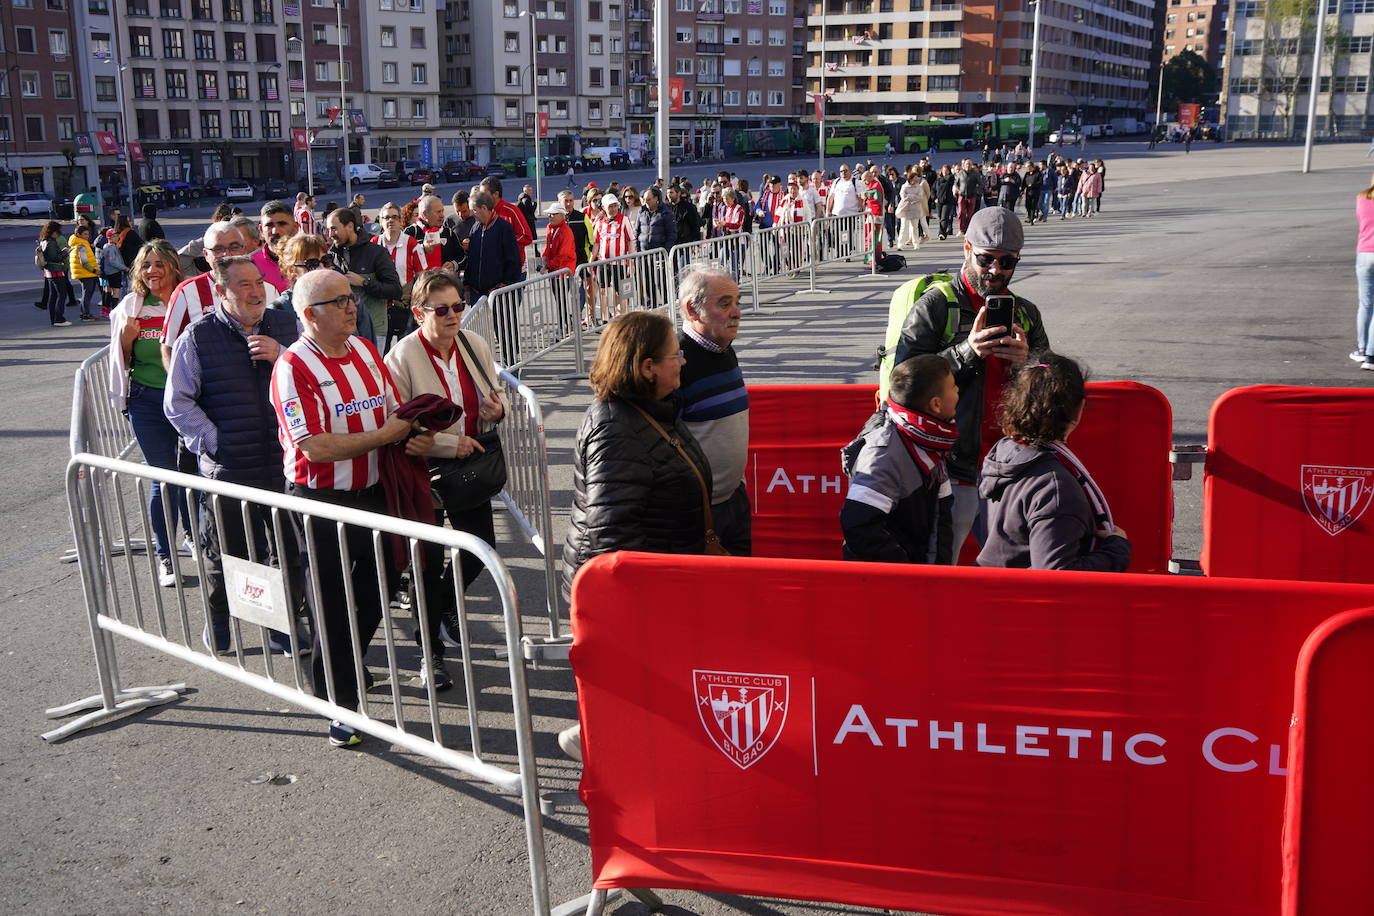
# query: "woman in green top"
{"type": "Point", "coordinates": [57, 292]}
{"type": "Point", "coordinates": [137, 380]}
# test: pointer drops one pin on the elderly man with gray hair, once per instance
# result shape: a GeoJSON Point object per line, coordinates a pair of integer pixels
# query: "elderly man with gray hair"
{"type": "Point", "coordinates": [715, 402]}
{"type": "Point", "coordinates": [441, 244]}
{"type": "Point", "coordinates": [195, 297]}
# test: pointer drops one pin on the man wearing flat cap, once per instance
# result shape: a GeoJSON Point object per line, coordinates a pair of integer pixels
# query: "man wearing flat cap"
{"type": "Point", "coordinates": [981, 357]}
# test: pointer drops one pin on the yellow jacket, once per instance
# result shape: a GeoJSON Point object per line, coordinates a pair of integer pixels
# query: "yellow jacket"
{"type": "Point", "coordinates": [80, 254]}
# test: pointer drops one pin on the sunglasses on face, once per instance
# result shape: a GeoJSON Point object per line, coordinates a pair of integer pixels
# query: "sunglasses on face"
{"type": "Point", "coordinates": [1006, 261]}
{"type": "Point", "coordinates": [442, 310]}
{"type": "Point", "coordinates": [311, 264]}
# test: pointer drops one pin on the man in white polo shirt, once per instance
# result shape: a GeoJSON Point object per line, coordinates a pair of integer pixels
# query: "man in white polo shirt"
{"type": "Point", "coordinates": [335, 405]}
{"type": "Point", "coordinates": [195, 297]}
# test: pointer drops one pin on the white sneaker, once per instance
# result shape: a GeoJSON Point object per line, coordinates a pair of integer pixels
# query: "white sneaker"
{"type": "Point", "coordinates": [1357, 356]}
{"type": "Point", "coordinates": [570, 742]}
{"type": "Point", "coordinates": [1367, 364]}
{"type": "Point", "coordinates": [166, 573]}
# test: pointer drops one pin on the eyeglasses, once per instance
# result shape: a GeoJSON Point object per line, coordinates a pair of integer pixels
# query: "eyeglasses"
{"type": "Point", "coordinates": [1006, 261]}
{"type": "Point", "coordinates": [236, 248]}
{"type": "Point", "coordinates": [339, 302]}
{"type": "Point", "coordinates": [677, 354]}
{"type": "Point", "coordinates": [391, 216]}
{"type": "Point", "coordinates": [442, 310]}
{"type": "Point", "coordinates": [310, 264]}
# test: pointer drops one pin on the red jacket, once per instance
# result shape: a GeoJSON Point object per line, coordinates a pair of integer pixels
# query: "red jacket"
{"type": "Point", "coordinates": [523, 237]}
{"type": "Point", "coordinates": [558, 247]}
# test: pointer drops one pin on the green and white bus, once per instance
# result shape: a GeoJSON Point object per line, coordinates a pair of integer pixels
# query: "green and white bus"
{"type": "Point", "coordinates": [849, 138]}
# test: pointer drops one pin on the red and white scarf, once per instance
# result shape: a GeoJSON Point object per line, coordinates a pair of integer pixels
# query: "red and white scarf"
{"type": "Point", "coordinates": [1102, 512]}
{"type": "Point", "coordinates": [927, 438]}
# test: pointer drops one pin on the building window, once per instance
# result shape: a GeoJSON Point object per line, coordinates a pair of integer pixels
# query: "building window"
{"type": "Point", "coordinates": [236, 45]}
{"type": "Point", "coordinates": [388, 108]}
{"type": "Point", "coordinates": [417, 108]}
{"type": "Point", "coordinates": [62, 85]}
{"type": "Point", "coordinates": [33, 128]}
{"type": "Point", "coordinates": [776, 68]}
{"type": "Point", "coordinates": [594, 77]}
{"type": "Point", "coordinates": [594, 10]}
{"type": "Point", "coordinates": [104, 89]}
{"type": "Point", "coordinates": [513, 42]}
{"type": "Point", "coordinates": [266, 48]}
{"type": "Point", "coordinates": [777, 38]}
{"type": "Point", "coordinates": [5, 135]}
{"type": "Point", "coordinates": [179, 124]}
{"type": "Point", "coordinates": [28, 85]}
{"type": "Point", "coordinates": [207, 85]}
{"type": "Point", "coordinates": [267, 87]}
{"type": "Point", "coordinates": [685, 66]}
{"type": "Point", "coordinates": [755, 67]}
{"type": "Point", "coordinates": [24, 40]}
{"type": "Point", "coordinates": [140, 43]}
{"type": "Point", "coordinates": [57, 42]}
{"type": "Point", "coordinates": [615, 78]}
{"type": "Point", "coordinates": [731, 97]}
{"type": "Point", "coordinates": [417, 38]}
{"type": "Point", "coordinates": [594, 45]}
{"type": "Point", "coordinates": [419, 75]}
{"type": "Point", "coordinates": [512, 76]}
{"type": "Point", "coordinates": [775, 97]}
{"type": "Point", "coordinates": [238, 86]}
{"type": "Point", "coordinates": [263, 13]}
{"type": "Point", "coordinates": [593, 111]}
{"type": "Point", "coordinates": [560, 110]}
{"type": "Point", "coordinates": [172, 46]}
{"type": "Point", "coordinates": [148, 124]}
{"type": "Point", "coordinates": [233, 11]}
{"type": "Point", "coordinates": [209, 124]}
{"type": "Point", "coordinates": [683, 35]}
{"type": "Point", "coordinates": [203, 9]}
{"type": "Point", "coordinates": [913, 84]}
{"type": "Point", "coordinates": [755, 36]}
{"type": "Point", "coordinates": [145, 84]}
{"type": "Point", "coordinates": [389, 72]}
{"type": "Point", "coordinates": [944, 83]}
{"type": "Point", "coordinates": [271, 123]}
{"type": "Point", "coordinates": [241, 124]}
{"type": "Point", "coordinates": [512, 111]}
{"type": "Point", "coordinates": [96, 7]}
{"type": "Point", "coordinates": [176, 84]}
{"type": "Point", "coordinates": [205, 45]}
{"type": "Point", "coordinates": [169, 9]}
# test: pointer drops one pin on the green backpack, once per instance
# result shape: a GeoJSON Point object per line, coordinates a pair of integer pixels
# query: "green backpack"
{"type": "Point", "coordinates": [904, 298]}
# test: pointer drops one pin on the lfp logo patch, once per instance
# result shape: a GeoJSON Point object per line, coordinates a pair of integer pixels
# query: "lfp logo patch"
{"type": "Point", "coordinates": [1336, 497]}
{"type": "Point", "coordinates": [743, 714]}
{"type": "Point", "coordinates": [294, 413]}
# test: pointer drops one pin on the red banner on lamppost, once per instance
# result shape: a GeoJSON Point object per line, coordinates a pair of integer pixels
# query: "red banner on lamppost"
{"type": "Point", "coordinates": [674, 95]}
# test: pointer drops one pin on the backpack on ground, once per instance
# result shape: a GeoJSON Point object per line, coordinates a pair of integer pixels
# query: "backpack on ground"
{"type": "Point", "coordinates": [891, 263]}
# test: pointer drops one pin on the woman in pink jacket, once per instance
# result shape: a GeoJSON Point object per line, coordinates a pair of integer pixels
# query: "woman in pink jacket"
{"type": "Point", "coordinates": [1090, 187]}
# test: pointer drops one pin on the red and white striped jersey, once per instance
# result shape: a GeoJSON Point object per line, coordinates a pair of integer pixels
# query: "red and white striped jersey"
{"type": "Point", "coordinates": [306, 220]}
{"type": "Point", "coordinates": [193, 300]}
{"type": "Point", "coordinates": [728, 219]}
{"type": "Point", "coordinates": [793, 210]}
{"type": "Point", "coordinates": [614, 237]}
{"type": "Point", "coordinates": [313, 393]}
{"type": "Point", "coordinates": [407, 254]}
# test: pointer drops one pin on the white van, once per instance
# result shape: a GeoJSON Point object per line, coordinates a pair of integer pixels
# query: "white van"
{"type": "Point", "coordinates": [366, 171]}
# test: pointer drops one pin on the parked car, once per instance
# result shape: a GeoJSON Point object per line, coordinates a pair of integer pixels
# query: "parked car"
{"type": "Point", "coordinates": [1065, 134]}
{"type": "Point", "coordinates": [462, 170]}
{"type": "Point", "coordinates": [216, 187]}
{"type": "Point", "coordinates": [364, 171]}
{"type": "Point", "coordinates": [324, 181]}
{"type": "Point", "coordinates": [26, 203]}
{"type": "Point", "coordinates": [405, 166]}
{"type": "Point", "coordinates": [423, 174]}
{"type": "Point", "coordinates": [388, 180]}
{"type": "Point", "coordinates": [496, 170]}
{"type": "Point", "coordinates": [238, 189]}
{"type": "Point", "coordinates": [271, 188]}
{"type": "Point", "coordinates": [183, 191]}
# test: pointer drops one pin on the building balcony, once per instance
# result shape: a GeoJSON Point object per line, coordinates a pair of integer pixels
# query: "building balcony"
{"type": "Point", "coordinates": [710, 108]}
{"type": "Point", "coordinates": [461, 123]}
{"type": "Point", "coordinates": [634, 46]}
{"type": "Point", "coordinates": [710, 47]}
{"type": "Point", "coordinates": [710, 79]}
{"type": "Point", "coordinates": [637, 13]}
{"type": "Point", "coordinates": [638, 109]}
{"type": "Point", "coordinates": [710, 17]}
{"type": "Point", "coordinates": [798, 49]}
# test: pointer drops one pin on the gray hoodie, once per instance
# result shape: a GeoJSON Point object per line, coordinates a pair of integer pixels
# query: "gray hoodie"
{"type": "Point", "coordinates": [1039, 516]}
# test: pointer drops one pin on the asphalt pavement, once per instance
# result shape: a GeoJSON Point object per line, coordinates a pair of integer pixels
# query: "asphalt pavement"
{"type": "Point", "coordinates": [1204, 271]}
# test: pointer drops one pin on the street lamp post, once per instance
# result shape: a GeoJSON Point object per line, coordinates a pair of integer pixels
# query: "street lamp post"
{"type": "Point", "coordinates": [1312, 89]}
{"type": "Point", "coordinates": [1035, 68]}
{"type": "Point", "coordinates": [343, 103]}
{"type": "Point", "coordinates": [124, 122]}
{"type": "Point", "coordinates": [820, 122]}
{"type": "Point", "coordinates": [305, 94]}
{"type": "Point", "coordinates": [534, 92]}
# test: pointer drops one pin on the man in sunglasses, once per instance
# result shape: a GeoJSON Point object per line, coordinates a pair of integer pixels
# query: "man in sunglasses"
{"type": "Point", "coordinates": [949, 318]}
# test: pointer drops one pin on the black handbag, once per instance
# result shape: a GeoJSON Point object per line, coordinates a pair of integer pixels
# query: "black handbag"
{"type": "Point", "coordinates": [466, 483]}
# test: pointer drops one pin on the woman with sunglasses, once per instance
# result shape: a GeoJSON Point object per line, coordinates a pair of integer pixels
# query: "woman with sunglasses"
{"type": "Point", "coordinates": [441, 358]}
{"type": "Point", "coordinates": [300, 254]}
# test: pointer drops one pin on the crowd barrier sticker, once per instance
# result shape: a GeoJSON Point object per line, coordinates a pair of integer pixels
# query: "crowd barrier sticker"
{"type": "Point", "coordinates": [940, 739]}
{"type": "Point", "coordinates": [1328, 838]}
{"type": "Point", "coordinates": [1288, 484]}
{"type": "Point", "coordinates": [123, 598]}
{"type": "Point", "coordinates": [796, 486]}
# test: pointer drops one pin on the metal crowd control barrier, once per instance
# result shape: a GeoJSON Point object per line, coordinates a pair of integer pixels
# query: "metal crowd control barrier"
{"type": "Point", "coordinates": [782, 253]}
{"type": "Point", "coordinates": [631, 282]}
{"type": "Point", "coordinates": [838, 238]}
{"type": "Point", "coordinates": [98, 428]}
{"type": "Point", "coordinates": [532, 317]}
{"type": "Point", "coordinates": [261, 596]}
{"type": "Point", "coordinates": [526, 493]}
{"type": "Point", "coordinates": [733, 251]}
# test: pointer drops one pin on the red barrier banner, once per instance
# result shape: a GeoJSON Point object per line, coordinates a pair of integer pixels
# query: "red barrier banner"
{"type": "Point", "coordinates": [1289, 484]}
{"type": "Point", "coordinates": [940, 739]}
{"type": "Point", "coordinates": [796, 486]}
{"type": "Point", "coordinates": [1328, 838]}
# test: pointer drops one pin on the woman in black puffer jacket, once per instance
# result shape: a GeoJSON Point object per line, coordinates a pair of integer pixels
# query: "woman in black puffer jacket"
{"type": "Point", "coordinates": [631, 488]}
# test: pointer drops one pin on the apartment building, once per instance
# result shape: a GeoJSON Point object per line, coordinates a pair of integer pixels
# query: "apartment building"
{"type": "Point", "coordinates": [1269, 73]}
{"type": "Point", "coordinates": [1198, 26]}
{"type": "Point", "coordinates": [495, 53]}
{"type": "Point", "coordinates": [742, 67]}
{"type": "Point", "coordinates": [41, 96]}
{"type": "Point", "coordinates": [912, 58]}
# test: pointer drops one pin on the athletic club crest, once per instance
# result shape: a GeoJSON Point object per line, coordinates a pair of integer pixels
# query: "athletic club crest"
{"type": "Point", "coordinates": [1336, 497]}
{"type": "Point", "coordinates": [742, 713]}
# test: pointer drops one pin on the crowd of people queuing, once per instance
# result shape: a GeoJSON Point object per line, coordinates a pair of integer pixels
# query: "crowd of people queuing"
{"type": "Point", "coordinates": [331, 364]}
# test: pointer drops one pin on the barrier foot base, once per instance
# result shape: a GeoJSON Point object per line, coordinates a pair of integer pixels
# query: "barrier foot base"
{"type": "Point", "coordinates": [813, 291]}
{"type": "Point", "coordinates": [550, 802]}
{"type": "Point", "coordinates": [136, 699]}
{"type": "Point", "coordinates": [118, 549]}
{"type": "Point", "coordinates": [572, 377]}
{"type": "Point", "coordinates": [594, 904]}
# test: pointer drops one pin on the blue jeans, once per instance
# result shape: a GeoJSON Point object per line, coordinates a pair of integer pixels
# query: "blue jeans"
{"type": "Point", "coordinates": [157, 439]}
{"type": "Point", "coordinates": [1364, 318]}
{"type": "Point", "coordinates": [58, 293]}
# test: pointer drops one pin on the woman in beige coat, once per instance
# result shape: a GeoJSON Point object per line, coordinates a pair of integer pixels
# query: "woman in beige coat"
{"type": "Point", "coordinates": [913, 209]}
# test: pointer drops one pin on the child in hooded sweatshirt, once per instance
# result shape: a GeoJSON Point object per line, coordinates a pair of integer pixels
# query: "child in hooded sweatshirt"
{"type": "Point", "coordinates": [1045, 511]}
{"type": "Point", "coordinates": [899, 504]}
